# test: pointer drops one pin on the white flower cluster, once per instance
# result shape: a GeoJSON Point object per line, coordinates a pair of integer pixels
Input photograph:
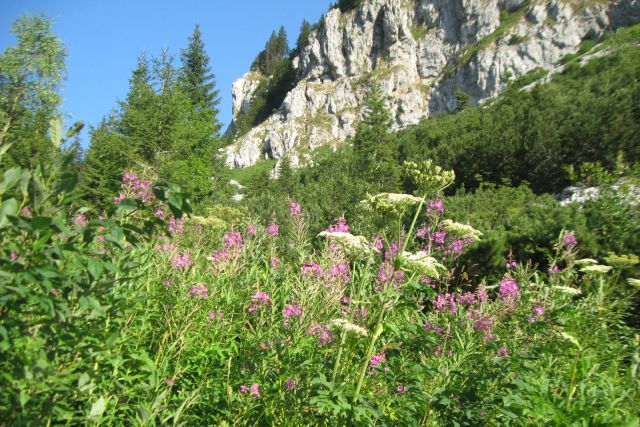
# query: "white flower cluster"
{"type": "Point", "coordinates": [429, 177]}
{"type": "Point", "coordinates": [596, 268]}
{"type": "Point", "coordinates": [352, 245]}
{"type": "Point", "coordinates": [349, 327]}
{"type": "Point", "coordinates": [390, 203]}
{"type": "Point", "coordinates": [421, 263]}
{"type": "Point", "coordinates": [461, 230]}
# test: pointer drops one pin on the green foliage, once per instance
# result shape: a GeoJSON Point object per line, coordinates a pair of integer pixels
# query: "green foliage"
{"type": "Point", "coordinates": [588, 113]}
{"type": "Point", "coordinates": [61, 290]}
{"type": "Point", "coordinates": [168, 122]}
{"type": "Point", "coordinates": [347, 5]}
{"type": "Point", "coordinates": [31, 73]}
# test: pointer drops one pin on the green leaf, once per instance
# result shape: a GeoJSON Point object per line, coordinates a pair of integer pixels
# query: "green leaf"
{"type": "Point", "coordinates": [74, 129]}
{"type": "Point", "coordinates": [36, 193]}
{"type": "Point", "coordinates": [95, 268]}
{"type": "Point", "coordinates": [55, 131]}
{"type": "Point", "coordinates": [11, 178]}
{"type": "Point", "coordinates": [97, 409]}
{"type": "Point", "coordinates": [7, 207]}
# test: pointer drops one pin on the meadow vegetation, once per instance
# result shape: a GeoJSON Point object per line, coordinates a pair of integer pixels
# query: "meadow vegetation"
{"type": "Point", "coordinates": [423, 277]}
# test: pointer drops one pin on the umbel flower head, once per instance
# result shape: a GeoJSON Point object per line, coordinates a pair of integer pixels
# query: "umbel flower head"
{"type": "Point", "coordinates": [461, 231]}
{"type": "Point", "coordinates": [352, 245]}
{"type": "Point", "coordinates": [390, 203]}
{"type": "Point", "coordinates": [596, 268]}
{"type": "Point", "coordinates": [349, 327]}
{"type": "Point", "coordinates": [429, 177]}
{"type": "Point", "coordinates": [421, 263]}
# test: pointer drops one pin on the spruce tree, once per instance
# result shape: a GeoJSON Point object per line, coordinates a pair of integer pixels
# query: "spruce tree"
{"type": "Point", "coordinates": [196, 80]}
{"type": "Point", "coordinates": [136, 112]}
{"type": "Point", "coordinates": [375, 159]}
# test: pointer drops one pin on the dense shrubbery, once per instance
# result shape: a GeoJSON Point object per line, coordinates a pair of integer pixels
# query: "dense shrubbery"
{"type": "Point", "coordinates": [255, 326]}
{"type": "Point", "coordinates": [586, 113]}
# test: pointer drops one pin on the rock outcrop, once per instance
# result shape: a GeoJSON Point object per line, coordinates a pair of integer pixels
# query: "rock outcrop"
{"type": "Point", "coordinates": [423, 53]}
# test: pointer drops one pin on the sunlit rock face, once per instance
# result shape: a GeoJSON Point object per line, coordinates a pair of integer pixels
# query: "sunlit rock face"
{"type": "Point", "coordinates": [422, 53]}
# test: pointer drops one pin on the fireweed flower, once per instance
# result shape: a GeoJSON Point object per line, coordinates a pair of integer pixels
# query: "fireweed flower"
{"type": "Point", "coordinates": [511, 264]}
{"type": "Point", "coordinates": [273, 230]}
{"type": "Point", "coordinates": [377, 359]}
{"type": "Point", "coordinates": [295, 210]}
{"type": "Point", "coordinates": [120, 197]}
{"type": "Point", "coordinates": [553, 270]}
{"type": "Point", "coordinates": [569, 241]}
{"type": "Point", "coordinates": [290, 384]}
{"type": "Point", "coordinates": [255, 390]}
{"type": "Point", "coordinates": [435, 205]}
{"type": "Point", "coordinates": [390, 203]}
{"type": "Point", "coordinates": [233, 239]}
{"type": "Point", "coordinates": [243, 389]}
{"type": "Point", "coordinates": [388, 274]}
{"type": "Point", "coordinates": [199, 292]}
{"type": "Point", "coordinates": [322, 332]}
{"type": "Point", "coordinates": [503, 352]}
{"type": "Point", "coordinates": [251, 229]}
{"type": "Point", "coordinates": [401, 389]}
{"type": "Point", "coordinates": [421, 263]}
{"type": "Point", "coordinates": [339, 227]}
{"type": "Point", "coordinates": [80, 220]}
{"type": "Point", "coordinates": [176, 226]}
{"type": "Point", "coordinates": [509, 290]}
{"type": "Point", "coordinates": [181, 262]}
{"type": "Point", "coordinates": [291, 310]}
{"type": "Point", "coordinates": [260, 297]}
{"type": "Point", "coordinates": [13, 256]}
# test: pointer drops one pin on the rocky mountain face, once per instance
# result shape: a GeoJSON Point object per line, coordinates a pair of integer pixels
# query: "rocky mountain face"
{"type": "Point", "coordinates": [424, 54]}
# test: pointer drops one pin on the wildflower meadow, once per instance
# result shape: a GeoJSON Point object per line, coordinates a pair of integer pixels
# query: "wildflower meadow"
{"type": "Point", "coordinates": [146, 315]}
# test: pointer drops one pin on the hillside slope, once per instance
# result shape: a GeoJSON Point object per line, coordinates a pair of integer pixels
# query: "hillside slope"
{"type": "Point", "coordinates": [424, 54]}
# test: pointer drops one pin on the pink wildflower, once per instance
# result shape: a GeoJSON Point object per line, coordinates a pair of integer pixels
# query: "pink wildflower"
{"type": "Point", "coordinates": [295, 210]}
{"type": "Point", "coordinates": [80, 220]}
{"type": "Point", "coordinates": [321, 332]}
{"type": "Point", "coordinates": [255, 390]}
{"type": "Point", "coordinates": [509, 290]}
{"type": "Point", "coordinates": [290, 384]}
{"type": "Point", "coordinates": [503, 352]}
{"type": "Point", "coordinates": [54, 292]}
{"type": "Point", "coordinates": [291, 311]}
{"type": "Point", "coordinates": [339, 227]}
{"type": "Point", "coordinates": [273, 230]}
{"type": "Point", "coordinates": [199, 292]}
{"type": "Point", "coordinates": [377, 359]}
{"type": "Point", "coordinates": [120, 197]}
{"type": "Point", "coordinates": [435, 205]}
{"type": "Point", "coordinates": [401, 389]}
{"type": "Point", "coordinates": [181, 262]}
{"type": "Point", "coordinates": [243, 389]}
{"type": "Point", "coordinates": [569, 241]}
{"type": "Point", "coordinates": [251, 229]}
{"type": "Point", "coordinates": [260, 297]}
{"type": "Point", "coordinates": [13, 256]}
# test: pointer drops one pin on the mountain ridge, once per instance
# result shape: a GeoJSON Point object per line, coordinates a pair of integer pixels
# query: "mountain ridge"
{"type": "Point", "coordinates": [423, 53]}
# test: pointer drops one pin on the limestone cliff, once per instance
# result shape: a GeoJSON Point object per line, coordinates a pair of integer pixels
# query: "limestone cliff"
{"type": "Point", "coordinates": [422, 52]}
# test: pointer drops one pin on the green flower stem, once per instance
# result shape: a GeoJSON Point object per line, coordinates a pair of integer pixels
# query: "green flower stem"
{"type": "Point", "coordinates": [413, 223]}
{"type": "Point", "coordinates": [365, 362]}
{"type": "Point", "coordinates": [337, 364]}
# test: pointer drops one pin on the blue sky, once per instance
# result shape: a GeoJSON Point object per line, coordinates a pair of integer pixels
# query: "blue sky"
{"type": "Point", "coordinates": [104, 38]}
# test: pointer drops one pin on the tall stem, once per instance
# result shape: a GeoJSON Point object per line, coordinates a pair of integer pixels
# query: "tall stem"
{"type": "Point", "coordinates": [337, 364]}
{"type": "Point", "coordinates": [413, 223]}
{"type": "Point", "coordinates": [365, 362]}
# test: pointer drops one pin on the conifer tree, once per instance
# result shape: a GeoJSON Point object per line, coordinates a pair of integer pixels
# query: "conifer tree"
{"type": "Point", "coordinates": [196, 80]}
{"type": "Point", "coordinates": [374, 154]}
